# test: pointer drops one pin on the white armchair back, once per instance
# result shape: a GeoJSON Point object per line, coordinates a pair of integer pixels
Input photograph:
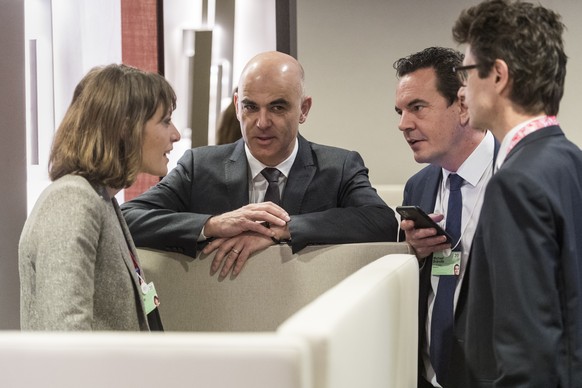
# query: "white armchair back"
{"type": "Point", "coordinates": [272, 286]}
{"type": "Point", "coordinates": [328, 317]}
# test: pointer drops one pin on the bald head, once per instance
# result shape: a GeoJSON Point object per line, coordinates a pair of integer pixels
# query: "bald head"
{"type": "Point", "coordinates": [270, 105]}
{"type": "Point", "coordinates": [274, 65]}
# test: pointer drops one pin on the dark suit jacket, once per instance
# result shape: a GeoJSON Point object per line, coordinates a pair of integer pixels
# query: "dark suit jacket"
{"type": "Point", "coordinates": [328, 196]}
{"type": "Point", "coordinates": [421, 190]}
{"type": "Point", "coordinates": [522, 305]}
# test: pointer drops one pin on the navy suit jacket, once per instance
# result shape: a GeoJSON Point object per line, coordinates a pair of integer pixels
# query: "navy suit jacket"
{"type": "Point", "coordinates": [421, 190]}
{"type": "Point", "coordinates": [521, 309]}
{"type": "Point", "coordinates": [328, 196]}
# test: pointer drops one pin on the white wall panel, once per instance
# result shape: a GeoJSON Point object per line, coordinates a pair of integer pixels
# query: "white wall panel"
{"type": "Point", "coordinates": [348, 48]}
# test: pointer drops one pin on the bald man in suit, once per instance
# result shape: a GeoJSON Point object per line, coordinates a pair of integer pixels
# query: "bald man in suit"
{"type": "Point", "coordinates": [214, 199]}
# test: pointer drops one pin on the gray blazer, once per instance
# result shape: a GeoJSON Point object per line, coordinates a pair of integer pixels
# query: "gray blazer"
{"type": "Point", "coordinates": [76, 272]}
{"type": "Point", "coordinates": [328, 196]}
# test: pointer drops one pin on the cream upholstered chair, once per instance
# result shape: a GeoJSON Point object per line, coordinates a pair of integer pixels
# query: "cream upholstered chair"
{"type": "Point", "coordinates": [342, 298]}
{"type": "Point", "coordinates": [271, 287]}
{"type": "Point", "coordinates": [340, 316]}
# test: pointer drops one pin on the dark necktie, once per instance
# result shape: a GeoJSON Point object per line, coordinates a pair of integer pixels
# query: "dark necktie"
{"type": "Point", "coordinates": [272, 177]}
{"type": "Point", "coordinates": [441, 333]}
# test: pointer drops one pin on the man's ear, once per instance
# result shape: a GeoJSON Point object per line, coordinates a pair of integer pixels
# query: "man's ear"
{"type": "Point", "coordinates": [501, 73]}
{"type": "Point", "coordinates": [235, 100]}
{"type": "Point", "coordinates": [305, 107]}
{"type": "Point", "coordinates": [463, 111]}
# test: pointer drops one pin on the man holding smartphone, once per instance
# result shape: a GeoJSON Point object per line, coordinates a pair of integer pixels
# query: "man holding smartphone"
{"type": "Point", "coordinates": [434, 122]}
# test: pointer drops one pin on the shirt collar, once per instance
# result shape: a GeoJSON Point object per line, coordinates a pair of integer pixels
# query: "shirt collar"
{"type": "Point", "coordinates": [477, 163]}
{"type": "Point", "coordinates": [285, 166]}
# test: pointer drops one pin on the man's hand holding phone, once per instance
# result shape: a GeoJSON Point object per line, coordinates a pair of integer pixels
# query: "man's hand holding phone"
{"type": "Point", "coordinates": [422, 232]}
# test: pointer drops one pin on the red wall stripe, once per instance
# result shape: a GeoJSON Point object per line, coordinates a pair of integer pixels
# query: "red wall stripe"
{"type": "Point", "coordinates": [142, 47]}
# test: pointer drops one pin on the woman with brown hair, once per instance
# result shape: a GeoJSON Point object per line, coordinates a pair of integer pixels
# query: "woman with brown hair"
{"type": "Point", "coordinates": [78, 265]}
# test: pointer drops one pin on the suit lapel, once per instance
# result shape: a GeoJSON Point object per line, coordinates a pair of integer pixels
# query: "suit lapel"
{"type": "Point", "coordinates": [236, 177]}
{"type": "Point", "coordinates": [428, 198]}
{"type": "Point", "coordinates": [127, 246]}
{"type": "Point", "coordinates": [129, 262]}
{"type": "Point", "coordinates": [300, 177]}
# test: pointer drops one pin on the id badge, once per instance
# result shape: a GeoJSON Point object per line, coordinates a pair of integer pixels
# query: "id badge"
{"type": "Point", "coordinates": [446, 265]}
{"type": "Point", "coordinates": [150, 297]}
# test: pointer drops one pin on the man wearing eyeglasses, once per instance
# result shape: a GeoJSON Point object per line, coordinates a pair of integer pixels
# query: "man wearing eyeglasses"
{"type": "Point", "coordinates": [521, 307]}
{"type": "Point", "coordinates": [434, 122]}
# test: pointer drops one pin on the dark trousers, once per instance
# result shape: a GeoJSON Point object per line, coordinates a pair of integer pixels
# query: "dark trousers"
{"type": "Point", "coordinates": [155, 321]}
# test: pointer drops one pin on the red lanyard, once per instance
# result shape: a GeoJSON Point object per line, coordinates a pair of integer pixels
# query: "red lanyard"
{"type": "Point", "coordinates": [532, 126]}
{"type": "Point", "coordinates": [135, 264]}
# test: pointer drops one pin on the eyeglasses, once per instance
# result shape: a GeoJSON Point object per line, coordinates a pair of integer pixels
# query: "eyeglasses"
{"type": "Point", "coordinates": [462, 71]}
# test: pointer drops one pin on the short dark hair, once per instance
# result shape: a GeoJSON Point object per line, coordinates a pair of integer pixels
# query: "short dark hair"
{"type": "Point", "coordinates": [528, 38]}
{"type": "Point", "coordinates": [442, 60]}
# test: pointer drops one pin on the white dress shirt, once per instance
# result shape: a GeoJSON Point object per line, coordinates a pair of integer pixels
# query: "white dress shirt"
{"type": "Point", "coordinates": [476, 170]}
{"type": "Point", "coordinates": [257, 182]}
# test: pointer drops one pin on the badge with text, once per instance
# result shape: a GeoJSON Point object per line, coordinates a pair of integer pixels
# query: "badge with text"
{"type": "Point", "coordinates": [150, 297]}
{"type": "Point", "coordinates": [446, 265]}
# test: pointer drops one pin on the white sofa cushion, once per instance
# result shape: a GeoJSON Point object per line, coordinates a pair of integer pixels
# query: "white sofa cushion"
{"type": "Point", "coordinates": [156, 360]}
{"type": "Point", "coordinates": [364, 331]}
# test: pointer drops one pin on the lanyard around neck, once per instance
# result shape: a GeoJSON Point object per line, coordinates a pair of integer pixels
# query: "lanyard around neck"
{"type": "Point", "coordinates": [532, 126]}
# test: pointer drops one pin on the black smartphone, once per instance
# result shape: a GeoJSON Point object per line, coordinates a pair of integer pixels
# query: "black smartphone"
{"type": "Point", "coordinates": [421, 220]}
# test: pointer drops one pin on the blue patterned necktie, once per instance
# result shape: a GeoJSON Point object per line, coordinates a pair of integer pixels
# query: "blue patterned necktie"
{"type": "Point", "coordinates": [441, 332]}
{"type": "Point", "coordinates": [272, 177]}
